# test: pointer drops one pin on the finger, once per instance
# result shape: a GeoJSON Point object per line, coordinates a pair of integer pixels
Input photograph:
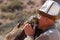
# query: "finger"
{"type": "Point", "coordinates": [28, 27]}
{"type": "Point", "coordinates": [26, 24]}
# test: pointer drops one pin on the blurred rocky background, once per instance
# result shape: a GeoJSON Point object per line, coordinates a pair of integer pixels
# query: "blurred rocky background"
{"type": "Point", "coordinates": [17, 11]}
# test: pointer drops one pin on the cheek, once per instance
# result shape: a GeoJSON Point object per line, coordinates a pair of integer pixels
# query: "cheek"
{"type": "Point", "coordinates": [45, 22]}
{"type": "Point", "coordinates": [40, 23]}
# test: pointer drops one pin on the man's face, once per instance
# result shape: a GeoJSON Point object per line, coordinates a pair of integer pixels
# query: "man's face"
{"type": "Point", "coordinates": [44, 22]}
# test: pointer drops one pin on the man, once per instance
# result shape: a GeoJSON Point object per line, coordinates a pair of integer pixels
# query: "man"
{"type": "Point", "coordinates": [46, 30]}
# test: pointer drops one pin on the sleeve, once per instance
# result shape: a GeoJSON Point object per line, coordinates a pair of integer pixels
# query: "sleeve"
{"type": "Point", "coordinates": [43, 37]}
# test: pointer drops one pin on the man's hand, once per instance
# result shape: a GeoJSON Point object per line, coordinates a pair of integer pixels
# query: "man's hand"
{"type": "Point", "coordinates": [29, 30]}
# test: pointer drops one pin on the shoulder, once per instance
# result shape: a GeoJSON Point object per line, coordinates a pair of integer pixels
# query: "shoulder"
{"type": "Point", "coordinates": [43, 36]}
{"type": "Point", "coordinates": [49, 35]}
{"type": "Point", "coordinates": [52, 33]}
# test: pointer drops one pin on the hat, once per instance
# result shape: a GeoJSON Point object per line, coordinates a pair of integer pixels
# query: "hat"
{"type": "Point", "coordinates": [50, 7]}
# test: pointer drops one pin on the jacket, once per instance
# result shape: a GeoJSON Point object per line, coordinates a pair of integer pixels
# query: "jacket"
{"type": "Point", "coordinates": [49, 34]}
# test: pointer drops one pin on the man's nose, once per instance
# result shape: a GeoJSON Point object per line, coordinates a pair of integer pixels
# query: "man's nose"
{"type": "Point", "coordinates": [39, 16]}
